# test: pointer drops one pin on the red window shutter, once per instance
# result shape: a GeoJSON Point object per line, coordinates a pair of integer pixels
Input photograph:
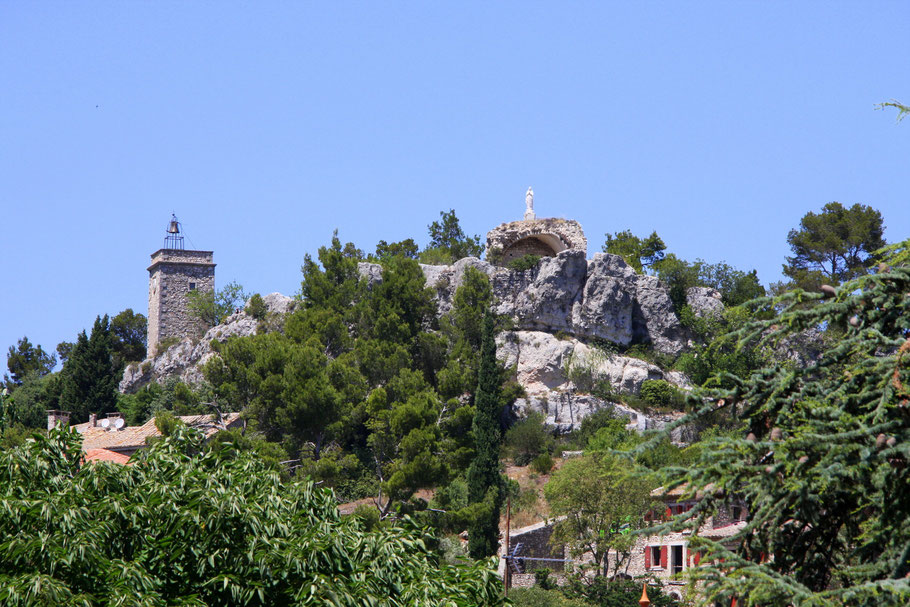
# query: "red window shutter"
{"type": "Point", "coordinates": [697, 558]}
{"type": "Point", "coordinates": [669, 512]}
{"type": "Point", "coordinates": [647, 557]}
{"type": "Point", "coordinates": [663, 557]}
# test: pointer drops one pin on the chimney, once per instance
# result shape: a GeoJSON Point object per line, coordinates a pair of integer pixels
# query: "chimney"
{"type": "Point", "coordinates": [55, 418]}
{"type": "Point", "coordinates": [93, 419]}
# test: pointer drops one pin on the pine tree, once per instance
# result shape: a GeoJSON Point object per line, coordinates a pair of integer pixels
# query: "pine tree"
{"type": "Point", "coordinates": [89, 377]}
{"type": "Point", "coordinates": [823, 466]}
{"type": "Point", "coordinates": [485, 486]}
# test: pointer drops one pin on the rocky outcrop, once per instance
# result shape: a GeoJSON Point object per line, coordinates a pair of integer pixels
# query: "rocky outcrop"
{"type": "Point", "coordinates": [184, 360]}
{"type": "Point", "coordinates": [705, 302]}
{"type": "Point", "coordinates": [542, 361]}
{"type": "Point", "coordinates": [599, 299]}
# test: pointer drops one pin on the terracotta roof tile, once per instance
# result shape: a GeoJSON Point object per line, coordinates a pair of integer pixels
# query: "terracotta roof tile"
{"type": "Point", "coordinates": [105, 455]}
{"type": "Point", "coordinates": [133, 437]}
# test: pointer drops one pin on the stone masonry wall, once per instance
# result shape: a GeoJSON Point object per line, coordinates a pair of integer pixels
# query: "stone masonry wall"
{"type": "Point", "coordinates": [171, 275]}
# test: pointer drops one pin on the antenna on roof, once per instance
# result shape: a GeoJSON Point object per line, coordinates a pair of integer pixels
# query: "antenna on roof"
{"type": "Point", "coordinates": [118, 422]}
{"type": "Point", "coordinates": [106, 423]}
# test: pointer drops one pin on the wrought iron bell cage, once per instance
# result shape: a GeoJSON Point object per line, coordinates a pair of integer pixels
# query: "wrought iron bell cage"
{"type": "Point", "coordinates": [174, 239]}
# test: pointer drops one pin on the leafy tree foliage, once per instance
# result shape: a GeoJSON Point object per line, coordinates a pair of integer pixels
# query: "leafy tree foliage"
{"type": "Point", "coordinates": [29, 403]}
{"type": "Point", "coordinates": [902, 110]}
{"type": "Point", "coordinates": [824, 466]}
{"type": "Point", "coordinates": [735, 286]}
{"type": "Point", "coordinates": [189, 525]}
{"type": "Point", "coordinates": [485, 484]}
{"type": "Point", "coordinates": [448, 242]}
{"type": "Point", "coordinates": [89, 378]}
{"type": "Point", "coordinates": [640, 253]}
{"type": "Point", "coordinates": [25, 359]}
{"type": "Point", "coordinates": [128, 337]}
{"type": "Point", "coordinates": [212, 307]}
{"type": "Point", "coordinates": [835, 245]}
{"type": "Point", "coordinates": [602, 503]}
{"type": "Point", "coordinates": [63, 350]}
{"type": "Point", "coordinates": [403, 248]}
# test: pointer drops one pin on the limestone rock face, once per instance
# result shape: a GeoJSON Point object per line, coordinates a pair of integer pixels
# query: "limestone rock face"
{"type": "Point", "coordinates": [543, 297]}
{"type": "Point", "coordinates": [599, 299]}
{"type": "Point", "coordinates": [605, 308]}
{"type": "Point", "coordinates": [372, 272]}
{"type": "Point", "coordinates": [653, 318]}
{"type": "Point", "coordinates": [704, 302]}
{"type": "Point", "coordinates": [540, 361]}
{"type": "Point", "coordinates": [184, 360]}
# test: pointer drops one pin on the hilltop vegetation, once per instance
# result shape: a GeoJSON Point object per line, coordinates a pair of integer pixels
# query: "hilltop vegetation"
{"type": "Point", "coordinates": [365, 389]}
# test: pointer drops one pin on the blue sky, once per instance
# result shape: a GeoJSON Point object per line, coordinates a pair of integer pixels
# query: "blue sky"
{"type": "Point", "coordinates": [267, 125]}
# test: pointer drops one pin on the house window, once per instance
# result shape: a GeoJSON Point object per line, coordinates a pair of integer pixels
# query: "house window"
{"type": "Point", "coordinates": [676, 559]}
{"type": "Point", "coordinates": [655, 556]}
{"type": "Point", "coordinates": [192, 286]}
{"type": "Point", "coordinates": [737, 513]}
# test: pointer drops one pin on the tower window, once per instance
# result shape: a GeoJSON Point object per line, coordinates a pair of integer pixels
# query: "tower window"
{"type": "Point", "coordinates": [192, 286]}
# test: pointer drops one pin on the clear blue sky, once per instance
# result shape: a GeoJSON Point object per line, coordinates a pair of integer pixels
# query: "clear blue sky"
{"type": "Point", "coordinates": [266, 125]}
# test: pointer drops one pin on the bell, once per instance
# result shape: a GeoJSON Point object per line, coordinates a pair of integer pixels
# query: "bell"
{"type": "Point", "coordinates": [173, 227]}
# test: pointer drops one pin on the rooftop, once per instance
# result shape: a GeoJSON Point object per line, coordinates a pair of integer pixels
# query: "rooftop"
{"type": "Point", "coordinates": [131, 438]}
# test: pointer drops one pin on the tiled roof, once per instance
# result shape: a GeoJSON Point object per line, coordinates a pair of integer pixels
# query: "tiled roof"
{"type": "Point", "coordinates": [723, 532]}
{"type": "Point", "coordinates": [105, 455]}
{"type": "Point", "coordinates": [131, 438]}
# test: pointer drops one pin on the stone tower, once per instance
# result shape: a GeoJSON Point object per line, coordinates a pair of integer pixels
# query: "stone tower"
{"type": "Point", "coordinates": [175, 272]}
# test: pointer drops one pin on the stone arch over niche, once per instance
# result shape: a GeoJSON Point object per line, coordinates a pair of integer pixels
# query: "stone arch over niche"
{"type": "Point", "coordinates": [543, 237]}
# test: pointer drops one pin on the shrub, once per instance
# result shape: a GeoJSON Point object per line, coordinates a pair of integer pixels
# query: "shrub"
{"type": "Point", "coordinates": [538, 597]}
{"type": "Point", "coordinates": [542, 464]}
{"type": "Point", "coordinates": [658, 392]}
{"type": "Point", "coordinates": [542, 579]}
{"type": "Point", "coordinates": [605, 592]}
{"type": "Point", "coordinates": [256, 307]}
{"type": "Point", "coordinates": [526, 262]}
{"type": "Point", "coordinates": [527, 439]}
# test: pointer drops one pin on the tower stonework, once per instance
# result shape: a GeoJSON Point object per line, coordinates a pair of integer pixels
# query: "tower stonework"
{"type": "Point", "coordinates": [175, 272]}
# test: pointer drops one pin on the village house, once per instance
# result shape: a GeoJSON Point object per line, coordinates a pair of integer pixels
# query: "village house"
{"type": "Point", "coordinates": [666, 557]}
{"type": "Point", "coordinates": [110, 439]}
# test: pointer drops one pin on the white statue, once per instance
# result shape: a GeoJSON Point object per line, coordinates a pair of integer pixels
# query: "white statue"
{"type": "Point", "coordinates": [529, 205]}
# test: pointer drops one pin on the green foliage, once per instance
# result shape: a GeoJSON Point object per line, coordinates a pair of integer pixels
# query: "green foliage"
{"type": "Point", "coordinates": [615, 593]}
{"type": "Point", "coordinates": [639, 253]}
{"type": "Point", "coordinates": [824, 466]}
{"type": "Point", "coordinates": [523, 263]}
{"type": "Point", "coordinates": [589, 426]}
{"type": "Point", "coordinates": [89, 378]}
{"type": "Point", "coordinates": [660, 393]}
{"type": "Point", "coordinates": [603, 503]}
{"type": "Point", "coordinates": [256, 307]}
{"type": "Point", "coordinates": [587, 374]}
{"type": "Point", "coordinates": [212, 307]}
{"type": "Point", "coordinates": [485, 484]}
{"type": "Point", "coordinates": [735, 286]}
{"type": "Point", "coordinates": [448, 241]}
{"type": "Point", "coordinates": [902, 110]}
{"type": "Point", "coordinates": [173, 396]}
{"type": "Point", "coordinates": [538, 597]}
{"type": "Point", "coordinates": [542, 464]}
{"type": "Point", "coordinates": [835, 245]}
{"type": "Point", "coordinates": [31, 400]}
{"type": "Point", "coordinates": [527, 439]}
{"type": "Point", "coordinates": [404, 248]}
{"type": "Point", "coordinates": [185, 525]}
{"type": "Point", "coordinates": [26, 359]}
{"type": "Point", "coordinates": [128, 337]}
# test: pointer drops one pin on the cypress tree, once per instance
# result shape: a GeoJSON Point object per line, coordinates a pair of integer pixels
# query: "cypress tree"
{"type": "Point", "coordinates": [823, 463]}
{"type": "Point", "coordinates": [89, 377]}
{"type": "Point", "coordinates": [485, 487]}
